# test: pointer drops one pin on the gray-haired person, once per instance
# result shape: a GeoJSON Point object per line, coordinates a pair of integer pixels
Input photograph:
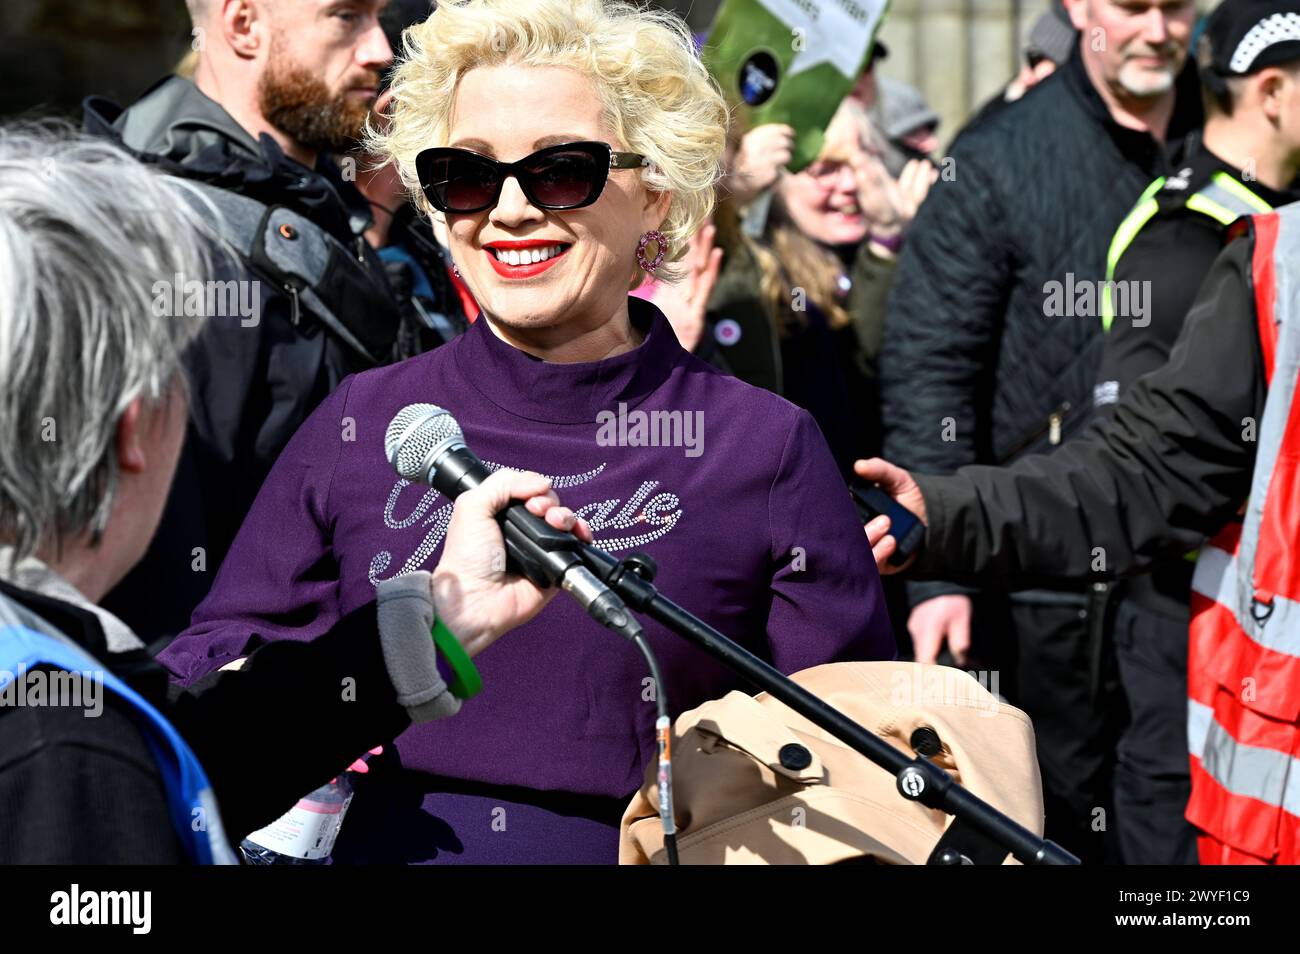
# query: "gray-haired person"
{"type": "Point", "coordinates": [92, 418]}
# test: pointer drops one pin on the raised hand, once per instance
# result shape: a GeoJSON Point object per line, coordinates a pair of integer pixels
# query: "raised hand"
{"type": "Point", "coordinates": [685, 303]}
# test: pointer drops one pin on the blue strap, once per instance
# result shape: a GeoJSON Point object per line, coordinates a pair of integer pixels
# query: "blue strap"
{"type": "Point", "coordinates": [190, 801]}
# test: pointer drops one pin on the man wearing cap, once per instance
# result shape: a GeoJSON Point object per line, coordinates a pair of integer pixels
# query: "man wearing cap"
{"type": "Point", "coordinates": [907, 121]}
{"type": "Point", "coordinates": [979, 365]}
{"type": "Point", "coordinates": [1244, 162]}
{"type": "Point", "coordinates": [1051, 42]}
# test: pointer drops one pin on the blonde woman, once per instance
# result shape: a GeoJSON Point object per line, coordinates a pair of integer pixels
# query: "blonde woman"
{"type": "Point", "coordinates": [573, 146]}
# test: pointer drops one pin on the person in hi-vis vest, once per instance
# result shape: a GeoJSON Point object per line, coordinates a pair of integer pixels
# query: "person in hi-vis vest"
{"type": "Point", "coordinates": [1244, 162]}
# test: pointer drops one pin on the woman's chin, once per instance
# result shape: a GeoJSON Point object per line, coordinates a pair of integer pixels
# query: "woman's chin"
{"type": "Point", "coordinates": [517, 316]}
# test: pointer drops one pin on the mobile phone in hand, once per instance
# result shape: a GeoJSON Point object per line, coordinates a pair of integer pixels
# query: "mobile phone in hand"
{"type": "Point", "coordinates": [904, 526]}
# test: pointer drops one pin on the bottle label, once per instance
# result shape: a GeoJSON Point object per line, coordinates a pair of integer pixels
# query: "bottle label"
{"type": "Point", "coordinates": [307, 831]}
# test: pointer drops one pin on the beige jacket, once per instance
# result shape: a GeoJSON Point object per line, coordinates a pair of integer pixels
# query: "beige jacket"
{"type": "Point", "coordinates": [736, 803]}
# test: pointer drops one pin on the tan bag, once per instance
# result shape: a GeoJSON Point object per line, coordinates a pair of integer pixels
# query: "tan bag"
{"type": "Point", "coordinates": [736, 803]}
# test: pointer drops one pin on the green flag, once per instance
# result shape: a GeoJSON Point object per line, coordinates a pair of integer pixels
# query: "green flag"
{"type": "Point", "coordinates": [792, 61]}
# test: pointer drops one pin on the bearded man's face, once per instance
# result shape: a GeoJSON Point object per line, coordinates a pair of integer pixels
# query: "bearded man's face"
{"type": "Point", "coordinates": [300, 103]}
{"type": "Point", "coordinates": [322, 71]}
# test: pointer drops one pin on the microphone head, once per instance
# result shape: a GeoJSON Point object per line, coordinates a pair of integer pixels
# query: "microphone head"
{"type": "Point", "coordinates": [417, 436]}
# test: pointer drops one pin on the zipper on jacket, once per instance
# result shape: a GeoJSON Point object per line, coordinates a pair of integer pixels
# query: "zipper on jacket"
{"type": "Point", "coordinates": [1052, 429]}
{"type": "Point", "coordinates": [295, 313]}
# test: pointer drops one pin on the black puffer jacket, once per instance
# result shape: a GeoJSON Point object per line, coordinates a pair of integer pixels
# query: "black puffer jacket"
{"type": "Point", "coordinates": [1167, 470]}
{"type": "Point", "coordinates": [1036, 194]}
{"type": "Point", "coordinates": [972, 370]}
{"type": "Point", "coordinates": [250, 385]}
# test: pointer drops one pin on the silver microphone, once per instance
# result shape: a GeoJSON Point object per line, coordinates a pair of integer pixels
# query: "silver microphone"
{"type": "Point", "coordinates": [424, 444]}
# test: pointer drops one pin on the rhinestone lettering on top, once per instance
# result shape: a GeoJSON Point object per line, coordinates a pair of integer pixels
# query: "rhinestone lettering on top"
{"type": "Point", "coordinates": [650, 516]}
{"type": "Point", "coordinates": [656, 517]}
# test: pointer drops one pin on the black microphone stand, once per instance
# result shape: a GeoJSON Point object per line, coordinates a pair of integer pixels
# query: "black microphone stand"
{"type": "Point", "coordinates": [608, 588]}
{"type": "Point", "coordinates": [979, 833]}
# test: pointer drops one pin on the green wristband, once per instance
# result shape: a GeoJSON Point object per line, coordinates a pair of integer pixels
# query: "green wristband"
{"type": "Point", "coordinates": [467, 682]}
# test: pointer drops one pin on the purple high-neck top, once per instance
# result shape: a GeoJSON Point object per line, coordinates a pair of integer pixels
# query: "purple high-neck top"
{"type": "Point", "coordinates": [748, 519]}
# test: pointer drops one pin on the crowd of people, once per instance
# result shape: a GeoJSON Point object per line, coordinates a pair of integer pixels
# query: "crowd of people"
{"type": "Point", "coordinates": [492, 207]}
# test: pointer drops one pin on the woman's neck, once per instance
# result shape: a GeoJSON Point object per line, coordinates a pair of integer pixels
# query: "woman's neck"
{"type": "Point", "coordinates": [573, 342]}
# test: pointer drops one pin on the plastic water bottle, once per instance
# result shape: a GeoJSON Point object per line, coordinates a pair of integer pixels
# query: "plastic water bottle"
{"type": "Point", "coordinates": [306, 834]}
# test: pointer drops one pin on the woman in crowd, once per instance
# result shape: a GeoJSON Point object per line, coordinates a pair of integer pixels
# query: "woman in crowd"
{"type": "Point", "coordinates": [573, 146]}
{"type": "Point", "coordinates": [801, 311]}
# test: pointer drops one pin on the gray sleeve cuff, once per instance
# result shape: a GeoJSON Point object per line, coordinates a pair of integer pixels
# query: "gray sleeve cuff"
{"type": "Point", "coordinates": [406, 611]}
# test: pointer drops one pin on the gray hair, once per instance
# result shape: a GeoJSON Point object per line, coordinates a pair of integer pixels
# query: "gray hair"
{"type": "Point", "coordinates": [86, 234]}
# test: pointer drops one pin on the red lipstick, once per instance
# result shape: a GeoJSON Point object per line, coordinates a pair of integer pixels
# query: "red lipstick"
{"type": "Point", "coordinates": [523, 271]}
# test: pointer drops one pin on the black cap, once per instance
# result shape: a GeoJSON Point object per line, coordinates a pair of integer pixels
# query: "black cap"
{"type": "Point", "coordinates": [1244, 36]}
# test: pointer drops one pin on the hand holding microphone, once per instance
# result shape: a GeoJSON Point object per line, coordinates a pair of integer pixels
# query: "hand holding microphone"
{"type": "Point", "coordinates": [469, 600]}
{"type": "Point", "coordinates": [424, 444]}
{"type": "Point", "coordinates": [475, 596]}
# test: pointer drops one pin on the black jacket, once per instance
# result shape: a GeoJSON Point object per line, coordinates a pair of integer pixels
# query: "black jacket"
{"type": "Point", "coordinates": [1173, 252]}
{"type": "Point", "coordinates": [1169, 469]}
{"type": "Point", "coordinates": [250, 387]}
{"type": "Point", "coordinates": [78, 790]}
{"type": "Point", "coordinates": [972, 370]}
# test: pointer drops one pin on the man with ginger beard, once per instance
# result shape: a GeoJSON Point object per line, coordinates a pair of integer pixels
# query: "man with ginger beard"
{"type": "Point", "coordinates": [278, 86]}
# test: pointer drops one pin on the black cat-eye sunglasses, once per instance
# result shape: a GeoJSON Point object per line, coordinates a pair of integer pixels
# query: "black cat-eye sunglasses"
{"type": "Point", "coordinates": [568, 176]}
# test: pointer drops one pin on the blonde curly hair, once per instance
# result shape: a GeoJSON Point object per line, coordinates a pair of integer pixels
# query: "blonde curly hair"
{"type": "Point", "coordinates": [657, 96]}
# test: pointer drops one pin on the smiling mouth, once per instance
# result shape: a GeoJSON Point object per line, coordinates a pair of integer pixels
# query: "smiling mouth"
{"type": "Point", "coordinates": [525, 262]}
{"type": "Point", "coordinates": [528, 256]}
